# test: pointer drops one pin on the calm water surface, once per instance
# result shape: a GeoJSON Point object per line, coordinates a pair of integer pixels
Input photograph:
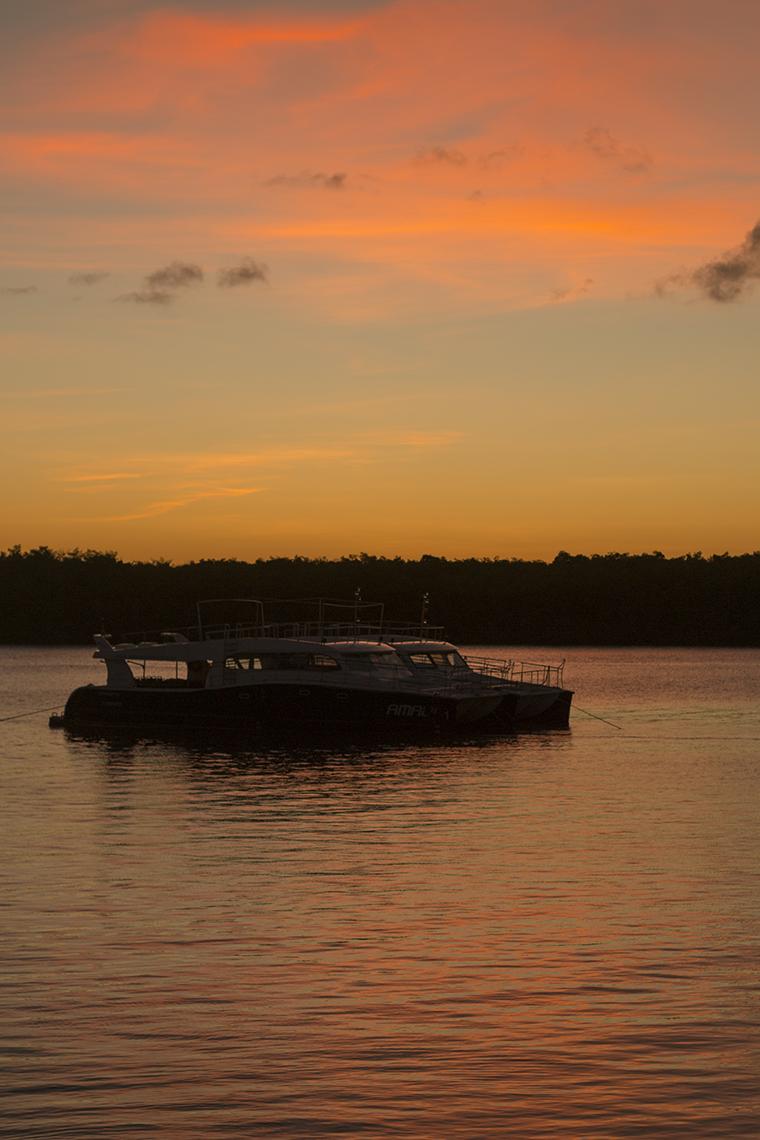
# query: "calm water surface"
{"type": "Point", "coordinates": [547, 935]}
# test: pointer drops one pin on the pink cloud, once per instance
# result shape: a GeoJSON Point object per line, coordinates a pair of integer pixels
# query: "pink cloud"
{"type": "Point", "coordinates": [458, 130]}
{"type": "Point", "coordinates": [180, 39]}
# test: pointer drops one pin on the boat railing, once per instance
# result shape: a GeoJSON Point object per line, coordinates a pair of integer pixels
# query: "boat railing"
{"type": "Point", "coordinates": [389, 632]}
{"type": "Point", "coordinates": [323, 632]}
{"type": "Point", "coordinates": [518, 672]}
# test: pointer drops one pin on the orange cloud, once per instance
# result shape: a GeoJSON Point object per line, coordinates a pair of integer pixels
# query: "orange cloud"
{"type": "Point", "coordinates": [186, 479]}
{"type": "Point", "coordinates": [182, 39]}
{"type": "Point", "coordinates": [164, 506]}
{"type": "Point", "coordinates": [105, 477]}
{"type": "Point", "coordinates": [188, 464]}
{"type": "Point", "coordinates": [535, 134]}
{"type": "Point", "coordinates": [99, 161]}
{"type": "Point", "coordinates": [551, 216]}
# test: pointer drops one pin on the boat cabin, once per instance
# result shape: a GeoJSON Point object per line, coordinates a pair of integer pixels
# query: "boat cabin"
{"type": "Point", "coordinates": [178, 662]}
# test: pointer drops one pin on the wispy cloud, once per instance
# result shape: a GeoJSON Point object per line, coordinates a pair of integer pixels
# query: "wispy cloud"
{"type": "Point", "coordinates": [19, 290]}
{"type": "Point", "coordinates": [177, 275]}
{"type": "Point", "coordinates": [572, 291]}
{"type": "Point", "coordinates": [162, 284]}
{"type": "Point", "coordinates": [147, 297]}
{"type": "Point", "coordinates": [310, 180]}
{"type": "Point", "coordinates": [603, 144]}
{"type": "Point", "coordinates": [245, 272]}
{"type": "Point", "coordinates": [92, 277]}
{"type": "Point", "coordinates": [497, 159]}
{"type": "Point", "coordinates": [440, 156]}
{"type": "Point", "coordinates": [180, 40]}
{"type": "Point", "coordinates": [725, 279]}
{"type": "Point", "coordinates": [147, 486]}
{"type": "Point", "coordinates": [102, 477]}
{"type": "Point", "coordinates": [201, 474]}
{"type": "Point", "coordinates": [165, 506]}
{"type": "Point", "coordinates": [186, 468]}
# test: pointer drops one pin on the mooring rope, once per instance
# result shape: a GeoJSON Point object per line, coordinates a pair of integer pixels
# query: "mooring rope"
{"type": "Point", "coordinates": [34, 712]}
{"type": "Point", "coordinates": [577, 708]}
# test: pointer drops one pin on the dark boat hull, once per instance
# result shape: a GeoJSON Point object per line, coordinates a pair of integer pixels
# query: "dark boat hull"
{"type": "Point", "coordinates": [534, 706]}
{"type": "Point", "coordinates": [268, 707]}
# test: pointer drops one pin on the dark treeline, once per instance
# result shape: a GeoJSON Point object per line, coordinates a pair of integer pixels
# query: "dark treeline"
{"type": "Point", "coordinates": [49, 596]}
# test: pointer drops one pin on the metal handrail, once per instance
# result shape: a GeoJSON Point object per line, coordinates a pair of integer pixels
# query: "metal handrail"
{"type": "Point", "coordinates": [305, 630]}
{"type": "Point", "coordinates": [323, 632]}
{"type": "Point", "coordinates": [518, 672]}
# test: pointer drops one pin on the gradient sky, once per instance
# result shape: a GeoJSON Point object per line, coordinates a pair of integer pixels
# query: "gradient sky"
{"type": "Point", "coordinates": [470, 277]}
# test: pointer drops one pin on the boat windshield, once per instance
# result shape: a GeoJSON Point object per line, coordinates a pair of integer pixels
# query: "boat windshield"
{"type": "Point", "coordinates": [439, 659]}
{"type": "Point", "coordinates": [298, 661]}
{"type": "Point", "coordinates": [367, 662]}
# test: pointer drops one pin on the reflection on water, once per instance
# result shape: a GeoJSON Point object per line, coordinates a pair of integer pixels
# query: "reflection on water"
{"type": "Point", "coordinates": [553, 934]}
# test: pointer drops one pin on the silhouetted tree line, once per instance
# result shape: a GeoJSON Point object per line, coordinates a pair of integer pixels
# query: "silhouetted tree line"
{"type": "Point", "coordinates": [49, 597]}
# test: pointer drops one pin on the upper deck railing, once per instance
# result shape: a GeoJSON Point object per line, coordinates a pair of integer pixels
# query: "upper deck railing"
{"type": "Point", "coordinates": [314, 619]}
{"type": "Point", "coordinates": [518, 672]}
{"type": "Point", "coordinates": [323, 631]}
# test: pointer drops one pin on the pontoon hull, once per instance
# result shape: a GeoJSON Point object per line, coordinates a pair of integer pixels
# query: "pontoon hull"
{"type": "Point", "coordinates": [283, 706]}
{"type": "Point", "coordinates": [525, 706]}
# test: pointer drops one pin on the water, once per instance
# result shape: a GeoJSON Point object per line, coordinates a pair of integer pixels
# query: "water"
{"type": "Point", "coordinates": [548, 935]}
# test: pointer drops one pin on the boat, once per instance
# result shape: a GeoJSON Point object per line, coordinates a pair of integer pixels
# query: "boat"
{"type": "Point", "coordinates": [336, 670]}
{"type": "Point", "coordinates": [255, 675]}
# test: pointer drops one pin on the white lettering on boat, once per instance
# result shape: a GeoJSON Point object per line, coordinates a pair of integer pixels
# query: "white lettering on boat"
{"type": "Point", "coordinates": [407, 710]}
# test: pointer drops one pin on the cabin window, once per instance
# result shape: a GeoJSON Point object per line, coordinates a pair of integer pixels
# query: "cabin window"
{"type": "Point", "coordinates": [295, 661]}
{"type": "Point", "coordinates": [446, 660]}
{"type": "Point", "coordinates": [438, 659]}
{"type": "Point", "coordinates": [242, 663]}
{"type": "Point", "coordinates": [322, 661]}
{"type": "Point", "coordinates": [156, 671]}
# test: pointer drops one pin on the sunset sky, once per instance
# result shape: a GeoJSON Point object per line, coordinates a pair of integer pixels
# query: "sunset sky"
{"type": "Point", "coordinates": [467, 277]}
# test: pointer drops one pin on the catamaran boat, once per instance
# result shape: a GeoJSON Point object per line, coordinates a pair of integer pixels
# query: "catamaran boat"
{"type": "Point", "coordinates": [254, 676]}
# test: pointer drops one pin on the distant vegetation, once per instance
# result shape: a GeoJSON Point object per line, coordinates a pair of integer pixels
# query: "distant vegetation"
{"type": "Point", "coordinates": [49, 596]}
